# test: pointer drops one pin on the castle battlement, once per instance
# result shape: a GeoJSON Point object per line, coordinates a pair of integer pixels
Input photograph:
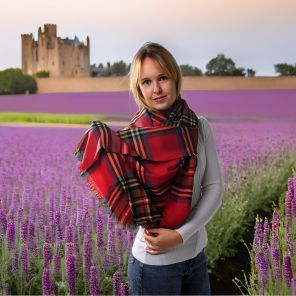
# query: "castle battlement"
{"type": "Point", "coordinates": [27, 36]}
{"type": "Point", "coordinates": [61, 57]}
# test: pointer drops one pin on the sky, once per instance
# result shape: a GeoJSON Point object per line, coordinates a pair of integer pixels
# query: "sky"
{"type": "Point", "coordinates": [255, 34]}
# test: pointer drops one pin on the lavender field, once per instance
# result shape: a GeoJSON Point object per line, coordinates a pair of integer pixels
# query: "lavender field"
{"type": "Point", "coordinates": [56, 238]}
{"type": "Point", "coordinates": [274, 242]}
{"type": "Point", "coordinates": [231, 105]}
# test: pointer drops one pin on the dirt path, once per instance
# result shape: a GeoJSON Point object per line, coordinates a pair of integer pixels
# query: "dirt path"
{"type": "Point", "coordinates": [60, 125]}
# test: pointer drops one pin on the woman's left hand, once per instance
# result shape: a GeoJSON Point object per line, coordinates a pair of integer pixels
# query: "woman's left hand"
{"type": "Point", "coordinates": [159, 240]}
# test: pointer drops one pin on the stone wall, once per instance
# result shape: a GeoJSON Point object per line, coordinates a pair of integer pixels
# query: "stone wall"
{"type": "Point", "coordinates": [49, 85]}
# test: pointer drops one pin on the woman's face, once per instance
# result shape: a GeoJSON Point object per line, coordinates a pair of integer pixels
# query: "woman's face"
{"type": "Point", "coordinates": [158, 90]}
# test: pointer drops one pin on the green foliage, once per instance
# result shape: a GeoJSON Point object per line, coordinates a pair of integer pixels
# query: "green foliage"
{"type": "Point", "coordinates": [42, 74]}
{"type": "Point", "coordinates": [250, 282]}
{"type": "Point", "coordinates": [13, 81]}
{"type": "Point", "coordinates": [251, 72]}
{"type": "Point", "coordinates": [119, 68]}
{"type": "Point", "coordinates": [255, 191]}
{"type": "Point", "coordinates": [188, 70]}
{"type": "Point", "coordinates": [285, 69]}
{"type": "Point", "coordinates": [50, 118]}
{"type": "Point", "coordinates": [222, 66]}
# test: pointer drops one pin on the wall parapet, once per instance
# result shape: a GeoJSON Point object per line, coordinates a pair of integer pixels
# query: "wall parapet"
{"type": "Point", "coordinates": [108, 84]}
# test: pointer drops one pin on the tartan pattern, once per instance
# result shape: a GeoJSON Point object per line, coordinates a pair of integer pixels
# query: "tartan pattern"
{"type": "Point", "coordinates": [145, 171]}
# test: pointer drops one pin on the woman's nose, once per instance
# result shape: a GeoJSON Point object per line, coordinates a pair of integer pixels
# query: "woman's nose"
{"type": "Point", "coordinates": [157, 88]}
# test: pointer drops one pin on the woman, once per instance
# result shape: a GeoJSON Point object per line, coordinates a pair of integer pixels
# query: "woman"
{"type": "Point", "coordinates": [162, 173]}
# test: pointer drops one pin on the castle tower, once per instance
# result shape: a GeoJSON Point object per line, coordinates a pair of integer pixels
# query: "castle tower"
{"type": "Point", "coordinates": [50, 32]}
{"type": "Point", "coordinates": [61, 57]}
{"type": "Point", "coordinates": [28, 61]}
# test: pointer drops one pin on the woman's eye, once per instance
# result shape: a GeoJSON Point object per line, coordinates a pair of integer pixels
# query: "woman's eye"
{"type": "Point", "coordinates": [162, 78]}
{"type": "Point", "coordinates": [146, 82]}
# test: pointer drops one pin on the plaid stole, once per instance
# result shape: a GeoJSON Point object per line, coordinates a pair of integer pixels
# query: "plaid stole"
{"type": "Point", "coordinates": [144, 172]}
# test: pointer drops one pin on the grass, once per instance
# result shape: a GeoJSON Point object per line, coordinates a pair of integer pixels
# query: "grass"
{"type": "Point", "coordinates": [255, 192]}
{"type": "Point", "coordinates": [50, 118]}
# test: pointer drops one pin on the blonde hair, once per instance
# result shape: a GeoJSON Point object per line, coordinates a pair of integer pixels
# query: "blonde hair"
{"type": "Point", "coordinates": [165, 60]}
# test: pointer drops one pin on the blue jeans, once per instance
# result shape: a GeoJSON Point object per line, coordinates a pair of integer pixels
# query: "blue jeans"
{"type": "Point", "coordinates": [189, 277]}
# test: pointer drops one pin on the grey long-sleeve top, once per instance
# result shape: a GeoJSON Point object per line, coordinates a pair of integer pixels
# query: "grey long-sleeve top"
{"type": "Point", "coordinates": [206, 199]}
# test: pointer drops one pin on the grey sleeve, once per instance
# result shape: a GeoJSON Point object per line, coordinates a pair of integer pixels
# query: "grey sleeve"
{"type": "Point", "coordinates": [211, 189]}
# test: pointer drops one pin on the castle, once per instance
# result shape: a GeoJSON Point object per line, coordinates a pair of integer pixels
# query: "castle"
{"type": "Point", "coordinates": [61, 57]}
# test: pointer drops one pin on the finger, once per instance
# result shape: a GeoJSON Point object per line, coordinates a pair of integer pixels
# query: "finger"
{"type": "Point", "coordinates": [149, 238]}
{"type": "Point", "coordinates": [153, 231]}
{"type": "Point", "coordinates": [152, 252]}
{"type": "Point", "coordinates": [151, 245]}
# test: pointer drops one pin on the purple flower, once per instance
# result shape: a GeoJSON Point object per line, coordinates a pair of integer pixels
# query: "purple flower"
{"type": "Point", "coordinates": [31, 241]}
{"type": "Point", "coordinates": [81, 223]}
{"type": "Point", "coordinates": [119, 237]}
{"type": "Point", "coordinates": [71, 274]}
{"type": "Point", "coordinates": [290, 243]}
{"type": "Point", "coordinates": [258, 236]}
{"type": "Point", "coordinates": [59, 229]}
{"type": "Point", "coordinates": [119, 262]}
{"type": "Point", "coordinates": [287, 268]}
{"type": "Point", "coordinates": [94, 281]}
{"type": "Point", "coordinates": [288, 205]}
{"type": "Point", "coordinates": [87, 255]}
{"type": "Point", "coordinates": [291, 188]}
{"type": "Point", "coordinates": [25, 261]}
{"type": "Point", "coordinates": [116, 283]}
{"type": "Point", "coordinates": [262, 267]}
{"type": "Point", "coordinates": [47, 254]}
{"type": "Point", "coordinates": [24, 230]}
{"type": "Point", "coordinates": [48, 234]}
{"type": "Point", "coordinates": [293, 207]}
{"type": "Point", "coordinates": [46, 282]}
{"type": "Point", "coordinates": [70, 249]}
{"type": "Point", "coordinates": [5, 289]}
{"type": "Point", "coordinates": [31, 231]}
{"type": "Point", "coordinates": [20, 214]}
{"type": "Point", "coordinates": [3, 222]}
{"type": "Point", "coordinates": [275, 220]}
{"type": "Point", "coordinates": [15, 261]}
{"type": "Point", "coordinates": [265, 231]}
{"type": "Point", "coordinates": [124, 289]}
{"type": "Point", "coordinates": [99, 230]}
{"type": "Point", "coordinates": [129, 237]}
{"type": "Point", "coordinates": [76, 243]}
{"type": "Point", "coordinates": [70, 234]}
{"type": "Point", "coordinates": [51, 211]}
{"type": "Point", "coordinates": [275, 261]}
{"type": "Point", "coordinates": [42, 219]}
{"type": "Point", "coordinates": [275, 230]}
{"type": "Point", "coordinates": [294, 185]}
{"type": "Point", "coordinates": [10, 235]}
{"type": "Point", "coordinates": [57, 264]}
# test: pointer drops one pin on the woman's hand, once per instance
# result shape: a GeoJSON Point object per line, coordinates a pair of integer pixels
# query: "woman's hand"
{"type": "Point", "coordinates": [159, 240]}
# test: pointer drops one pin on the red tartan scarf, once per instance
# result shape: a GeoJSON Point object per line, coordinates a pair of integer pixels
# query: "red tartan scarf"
{"type": "Point", "coordinates": [144, 172]}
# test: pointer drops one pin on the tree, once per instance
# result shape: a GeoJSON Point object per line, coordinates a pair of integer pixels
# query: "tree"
{"type": "Point", "coordinates": [197, 71]}
{"type": "Point", "coordinates": [119, 68]}
{"type": "Point", "coordinates": [188, 70]}
{"type": "Point", "coordinates": [251, 72]}
{"type": "Point", "coordinates": [285, 69]}
{"type": "Point", "coordinates": [42, 74]}
{"type": "Point", "coordinates": [13, 81]}
{"type": "Point", "coordinates": [222, 66]}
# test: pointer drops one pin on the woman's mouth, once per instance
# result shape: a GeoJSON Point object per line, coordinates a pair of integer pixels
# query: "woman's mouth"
{"type": "Point", "coordinates": [159, 98]}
